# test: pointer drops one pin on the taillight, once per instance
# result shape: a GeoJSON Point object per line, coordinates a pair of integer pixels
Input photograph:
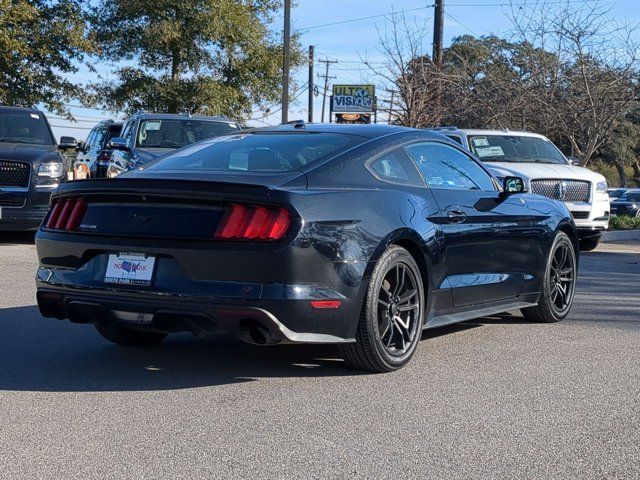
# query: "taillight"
{"type": "Point", "coordinates": [253, 222]}
{"type": "Point", "coordinates": [66, 214]}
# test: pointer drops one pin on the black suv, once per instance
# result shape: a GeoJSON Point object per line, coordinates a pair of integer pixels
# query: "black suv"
{"type": "Point", "coordinates": [147, 136]}
{"type": "Point", "coordinates": [31, 167]}
{"type": "Point", "coordinates": [94, 156]}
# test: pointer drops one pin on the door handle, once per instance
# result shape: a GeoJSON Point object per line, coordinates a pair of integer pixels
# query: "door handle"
{"type": "Point", "coordinates": [456, 216]}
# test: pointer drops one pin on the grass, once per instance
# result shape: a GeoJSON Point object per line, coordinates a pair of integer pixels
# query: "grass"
{"type": "Point", "coordinates": [624, 223]}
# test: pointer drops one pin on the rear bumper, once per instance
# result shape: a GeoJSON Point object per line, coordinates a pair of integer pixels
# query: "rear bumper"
{"type": "Point", "coordinates": [280, 314]}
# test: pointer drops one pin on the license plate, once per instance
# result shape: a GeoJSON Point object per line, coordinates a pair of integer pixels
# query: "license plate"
{"type": "Point", "coordinates": [130, 269]}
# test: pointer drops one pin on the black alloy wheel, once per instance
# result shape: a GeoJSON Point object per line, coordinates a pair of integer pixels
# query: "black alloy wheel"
{"type": "Point", "coordinates": [398, 308]}
{"type": "Point", "coordinates": [559, 284]}
{"type": "Point", "coordinates": [392, 317]}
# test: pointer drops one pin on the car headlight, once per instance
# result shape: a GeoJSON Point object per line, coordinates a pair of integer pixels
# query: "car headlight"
{"type": "Point", "coordinates": [51, 169]}
{"type": "Point", "coordinates": [601, 187]}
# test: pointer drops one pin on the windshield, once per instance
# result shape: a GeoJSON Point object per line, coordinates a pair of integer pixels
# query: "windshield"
{"type": "Point", "coordinates": [24, 127]}
{"type": "Point", "coordinates": [512, 148]}
{"type": "Point", "coordinates": [630, 197]}
{"type": "Point", "coordinates": [257, 152]}
{"type": "Point", "coordinates": [179, 132]}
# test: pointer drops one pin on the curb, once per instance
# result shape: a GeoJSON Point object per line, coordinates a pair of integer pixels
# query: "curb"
{"type": "Point", "coordinates": [618, 235]}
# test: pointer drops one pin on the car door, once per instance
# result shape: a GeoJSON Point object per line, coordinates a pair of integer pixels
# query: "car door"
{"type": "Point", "coordinates": [486, 237]}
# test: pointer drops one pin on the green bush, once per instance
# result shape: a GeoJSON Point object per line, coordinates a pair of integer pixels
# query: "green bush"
{"type": "Point", "coordinates": [624, 223]}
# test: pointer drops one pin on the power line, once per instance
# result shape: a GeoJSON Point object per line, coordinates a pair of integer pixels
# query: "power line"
{"type": "Point", "coordinates": [326, 77]}
{"type": "Point", "coordinates": [362, 18]}
{"type": "Point", "coordinates": [516, 4]}
{"type": "Point", "coordinates": [460, 23]}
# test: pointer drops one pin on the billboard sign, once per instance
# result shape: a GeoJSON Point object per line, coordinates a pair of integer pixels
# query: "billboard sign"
{"type": "Point", "coordinates": [353, 98]}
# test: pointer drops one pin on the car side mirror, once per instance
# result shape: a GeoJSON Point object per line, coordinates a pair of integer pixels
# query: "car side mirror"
{"type": "Point", "coordinates": [573, 160]}
{"type": "Point", "coordinates": [81, 145]}
{"type": "Point", "coordinates": [68, 143]}
{"type": "Point", "coordinates": [512, 185]}
{"type": "Point", "coordinates": [118, 143]}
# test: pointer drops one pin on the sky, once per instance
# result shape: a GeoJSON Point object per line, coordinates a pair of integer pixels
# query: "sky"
{"type": "Point", "coordinates": [339, 31]}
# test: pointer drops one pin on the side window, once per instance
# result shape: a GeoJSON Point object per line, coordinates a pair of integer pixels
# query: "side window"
{"type": "Point", "coordinates": [395, 167]}
{"type": "Point", "coordinates": [99, 139]}
{"type": "Point", "coordinates": [455, 138]}
{"type": "Point", "coordinates": [445, 167]}
{"type": "Point", "coordinates": [128, 131]}
{"type": "Point", "coordinates": [89, 141]}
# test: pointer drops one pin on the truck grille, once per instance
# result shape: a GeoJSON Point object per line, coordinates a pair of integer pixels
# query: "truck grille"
{"type": "Point", "coordinates": [564, 190]}
{"type": "Point", "coordinates": [14, 174]}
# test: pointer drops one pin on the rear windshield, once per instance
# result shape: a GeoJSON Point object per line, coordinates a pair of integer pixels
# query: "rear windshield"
{"type": "Point", "coordinates": [258, 152]}
{"type": "Point", "coordinates": [177, 133]}
{"type": "Point", "coordinates": [24, 127]}
{"type": "Point", "coordinates": [512, 148]}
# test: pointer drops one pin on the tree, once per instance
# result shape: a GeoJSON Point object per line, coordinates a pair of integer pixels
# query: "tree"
{"type": "Point", "coordinates": [409, 71]}
{"type": "Point", "coordinates": [622, 148]}
{"type": "Point", "coordinates": [40, 42]}
{"type": "Point", "coordinates": [593, 81]}
{"type": "Point", "coordinates": [203, 56]}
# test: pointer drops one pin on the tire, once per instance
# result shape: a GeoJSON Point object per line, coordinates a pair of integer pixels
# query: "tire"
{"type": "Point", "coordinates": [558, 286]}
{"type": "Point", "coordinates": [589, 244]}
{"type": "Point", "coordinates": [385, 341]}
{"type": "Point", "coordinates": [129, 337]}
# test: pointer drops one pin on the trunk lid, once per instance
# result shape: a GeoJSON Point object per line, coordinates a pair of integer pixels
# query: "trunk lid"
{"type": "Point", "coordinates": [157, 208]}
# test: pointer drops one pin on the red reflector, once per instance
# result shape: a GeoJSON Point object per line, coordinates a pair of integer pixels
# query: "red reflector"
{"type": "Point", "coordinates": [321, 304]}
{"type": "Point", "coordinates": [76, 215]}
{"type": "Point", "coordinates": [253, 222]}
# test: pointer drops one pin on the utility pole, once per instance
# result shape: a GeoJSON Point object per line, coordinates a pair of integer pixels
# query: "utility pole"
{"type": "Point", "coordinates": [438, 32]}
{"type": "Point", "coordinates": [310, 119]}
{"type": "Point", "coordinates": [392, 92]}
{"type": "Point", "coordinates": [285, 61]}
{"type": "Point", "coordinates": [326, 82]}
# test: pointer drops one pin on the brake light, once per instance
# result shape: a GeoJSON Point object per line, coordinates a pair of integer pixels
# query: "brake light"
{"type": "Point", "coordinates": [66, 214]}
{"type": "Point", "coordinates": [253, 222]}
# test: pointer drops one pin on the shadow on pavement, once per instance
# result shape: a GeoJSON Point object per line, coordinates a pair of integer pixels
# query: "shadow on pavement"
{"type": "Point", "coordinates": [38, 354]}
{"type": "Point", "coordinates": [41, 354]}
{"type": "Point", "coordinates": [17, 238]}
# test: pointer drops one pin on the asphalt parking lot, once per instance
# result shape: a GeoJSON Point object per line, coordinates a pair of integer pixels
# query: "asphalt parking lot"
{"type": "Point", "coordinates": [492, 398]}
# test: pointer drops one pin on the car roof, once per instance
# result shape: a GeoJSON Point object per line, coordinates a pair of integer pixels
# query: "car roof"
{"type": "Point", "coordinates": [362, 130]}
{"type": "Point", "coordinates": [20, 109]}
{"type": "Point", "coordinates": [173, 116]}
{"type": "Point", "coordinates": [504, 133]}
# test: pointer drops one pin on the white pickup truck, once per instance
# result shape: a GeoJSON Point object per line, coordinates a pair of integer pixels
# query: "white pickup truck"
{"type": "Point", "coordinates": [546, 171]}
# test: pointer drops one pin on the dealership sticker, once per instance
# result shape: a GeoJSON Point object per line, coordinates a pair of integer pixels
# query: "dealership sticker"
{"type": "Point", "coordinates": [34, 116]}
{"type": "Point", "coordinates": [480, 142]}
{"type": "Point", "coordinates": [489, 152]}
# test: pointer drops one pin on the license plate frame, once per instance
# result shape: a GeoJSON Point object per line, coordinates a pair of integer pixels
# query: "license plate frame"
{"type": "Point", "coordinates": [130, 268]}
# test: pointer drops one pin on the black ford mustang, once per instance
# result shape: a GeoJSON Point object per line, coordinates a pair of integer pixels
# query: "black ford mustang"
{"type": "Point", "coordinates": [355, 235]}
